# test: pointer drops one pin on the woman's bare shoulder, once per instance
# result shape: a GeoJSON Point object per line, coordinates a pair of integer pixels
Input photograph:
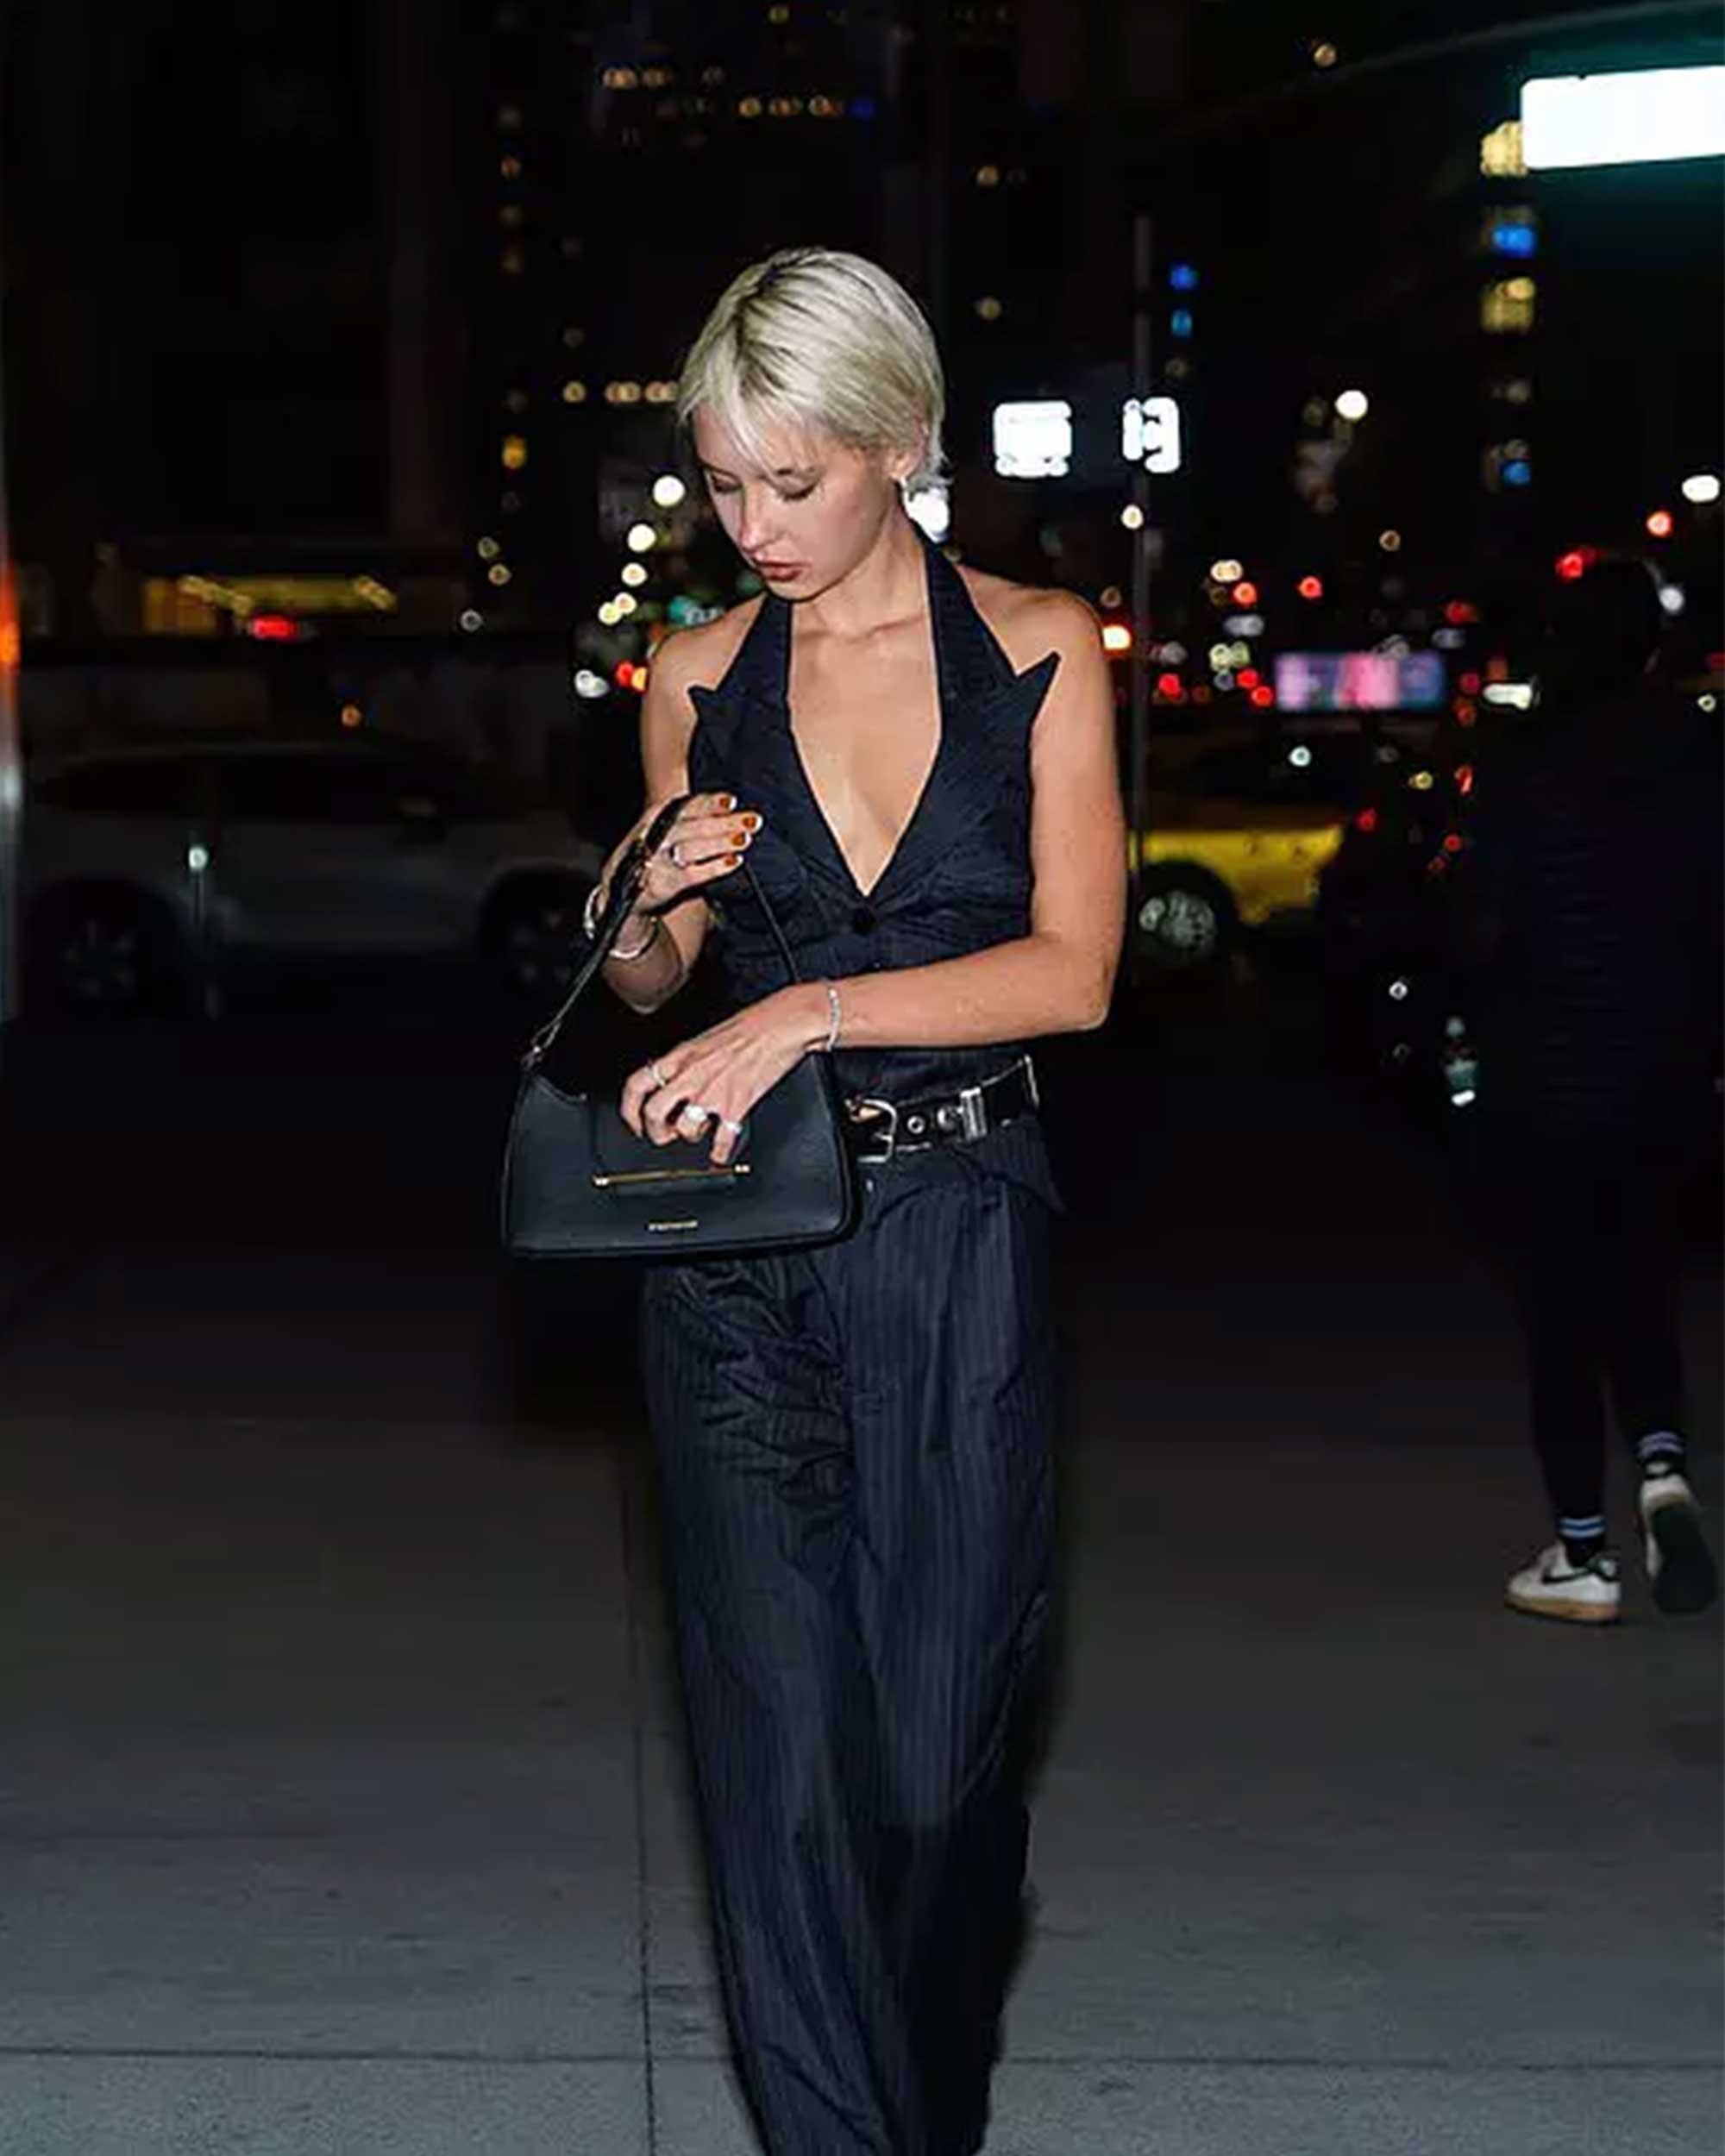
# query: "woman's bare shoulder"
{"type": "Point", "coordinates": [699, 658]}
{"type": "Point", "coordinates": [1030, 620]}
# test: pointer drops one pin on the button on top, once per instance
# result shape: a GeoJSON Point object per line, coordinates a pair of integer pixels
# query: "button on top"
{"type": "Point", "coordinates": [863, 920]}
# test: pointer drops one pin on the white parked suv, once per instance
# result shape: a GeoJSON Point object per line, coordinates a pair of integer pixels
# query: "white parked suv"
{"type": "Point", "coordinates": [142, 867]}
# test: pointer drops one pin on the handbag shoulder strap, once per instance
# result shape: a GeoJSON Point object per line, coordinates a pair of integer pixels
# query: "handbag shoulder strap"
{"type": "Point", "coordinates": [624, 891]}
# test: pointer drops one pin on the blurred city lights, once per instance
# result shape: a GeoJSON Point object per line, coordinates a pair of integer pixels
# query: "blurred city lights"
{"type": "Point", "coordinates": [1324, 54]}
{"type": "Point", "coordinates": [498, 573]}
{"type": "Point", "coordinates": [514, 451]}
{"type": "Point", "coordinates": [1647, 116]}
{"type": "Point", "coordinates": [1701, 487]}
{"type": "Point", "coordinates": [1300, 756]}
{"type": "Point", "coordinates": [1391, 541]}
{"type": "Point", "coordinates": [1116, 637]}
{"type": "Point", "coordinates": [487, 548]}
{"type": "Point", "coordinates": [668, 491]}
{"type": "Point", "coordinates": [625, 603]}
{"type": "Point", "coordinates": [1180, 322]}
{"type": "Point", "coordinates": [1033, 439]}
{"type": "Point", "coordinates": [574, 392]}
{"type": "Point", "coordinates": [352, 716]}
{"type": "Point", "coordinates": [197, 859]}
{"type": "Point", "coordinates": [1150, 434]}
{"type": "Point", "coordinates": [1673, 598]}
{"type": "Point", "coordinates": [608, 615]}
{"type": "Point", "coordinates": [634, 575]}
{"type": "Point", "coordinates": [1512, 696]}
{"type": "Point", "coordinates": [1170, 686]}
{"type": "Point", "coordinates": [1310, 587]}
{"type": "Point", "coordinates": [274, 629]}
{"type": "Point", "coordinates": [1574, 565]}
{"type": "Point", "coordinates": [1221, 655]}
{"type": "Point", "coordinates": [1227, 571]}
{"type": "Point", "coordinates": [469, 618]}
{"type": "Point", "coordinates": [1110, 595]}
{"type": "Point", "coordinates": [1660, 524]}
{"type": "Point", "coordinates": [589, 685]}
{"type": "Point", "coordinates": [1248, 678]}
{"type": "Point", "coordinates": [988, 309]}
{"type": "Point", "coordinates": [1352, 406]}
{"type": "Point", "coordinates": [1183, 277]}
{"type": "Point", "coordinates": [1132, 516]}
{"type": "Point", "coordinates": [1245, 594]}
{"type": "Point", "coordinates": [642, 538]}
{"type": "Point", "coordinates": [1264, 696]}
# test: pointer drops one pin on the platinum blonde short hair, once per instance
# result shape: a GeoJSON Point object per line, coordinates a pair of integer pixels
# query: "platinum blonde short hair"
{"type": "Point", "coordinates": [825, 341]}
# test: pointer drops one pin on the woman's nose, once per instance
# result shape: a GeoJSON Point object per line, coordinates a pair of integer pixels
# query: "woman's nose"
{"type": "Point", "coordinates": [753, 530]}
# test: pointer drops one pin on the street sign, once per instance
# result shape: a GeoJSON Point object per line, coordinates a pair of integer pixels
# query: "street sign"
{"type": "Point", "coordinates": [1150, 433]}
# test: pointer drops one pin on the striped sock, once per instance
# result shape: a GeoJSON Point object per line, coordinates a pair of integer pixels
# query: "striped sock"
{"type": "Point", "coordinates": [1660, 1453]}
{"type": "Point", "coordinates": [1583, 1536]}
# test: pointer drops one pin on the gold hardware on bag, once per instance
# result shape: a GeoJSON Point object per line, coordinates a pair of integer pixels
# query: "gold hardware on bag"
{"type": "Point", "coordinates": [629, 1176]}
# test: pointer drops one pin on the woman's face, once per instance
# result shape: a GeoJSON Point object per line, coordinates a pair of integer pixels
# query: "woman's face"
{"type": "Point", "coordinates": [804, 510]}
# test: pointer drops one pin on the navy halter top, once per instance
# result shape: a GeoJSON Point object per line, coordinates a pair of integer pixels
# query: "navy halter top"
{"type": "Point", "coordinates": [959, 881]}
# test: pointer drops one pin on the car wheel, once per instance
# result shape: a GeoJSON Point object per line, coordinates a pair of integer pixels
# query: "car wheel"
{"type": "Point", "coordinates": [532, 941]}
{"type": "Point", "coordinates": [1185, 920]}
{"type": "Point", "coordinates": [101, 954]}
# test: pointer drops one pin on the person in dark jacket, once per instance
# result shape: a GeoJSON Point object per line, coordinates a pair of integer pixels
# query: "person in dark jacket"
{"type": "Point", "coordinates": [1587, 909]}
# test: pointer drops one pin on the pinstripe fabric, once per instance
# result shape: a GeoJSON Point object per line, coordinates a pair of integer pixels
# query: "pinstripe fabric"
{"type": "Point", "coordinates": [855, 1450]}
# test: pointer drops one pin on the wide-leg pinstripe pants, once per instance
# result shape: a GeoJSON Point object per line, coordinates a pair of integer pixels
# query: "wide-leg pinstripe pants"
{"type": "Point", "coordinates": [855, 1449]}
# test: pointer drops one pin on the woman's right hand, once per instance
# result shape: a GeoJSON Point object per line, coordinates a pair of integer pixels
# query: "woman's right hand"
{"type": "Point", "coordinates": [708, 841]}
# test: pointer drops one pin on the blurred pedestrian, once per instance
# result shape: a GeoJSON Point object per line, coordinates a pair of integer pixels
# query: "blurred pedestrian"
{"type": "Point", "coordinates": [1587, 909]}
{"type": "Point", "coordinates": [855, 1442]}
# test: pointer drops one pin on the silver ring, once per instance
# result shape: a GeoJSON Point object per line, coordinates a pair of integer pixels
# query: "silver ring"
{"type": "Point", "coordinates": [730, 1129]}
{"type": "Point", "coordinates": [674, 855]}
{"type": "Point", "coordinates": [700, 1116]}
{"type": "Point", "coordinates": [657, 1076]}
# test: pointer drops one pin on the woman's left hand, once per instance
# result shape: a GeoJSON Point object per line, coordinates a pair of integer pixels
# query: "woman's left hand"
{"type": "Point", "coordinates": [704, 1088]}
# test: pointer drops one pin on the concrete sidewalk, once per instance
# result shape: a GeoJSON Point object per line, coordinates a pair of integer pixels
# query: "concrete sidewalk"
{"type": "Point", "coordinates": [342, 1805]}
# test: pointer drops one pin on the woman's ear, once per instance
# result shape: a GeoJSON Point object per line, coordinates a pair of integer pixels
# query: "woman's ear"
{"type": "Point", "coordinates": [902, 464]}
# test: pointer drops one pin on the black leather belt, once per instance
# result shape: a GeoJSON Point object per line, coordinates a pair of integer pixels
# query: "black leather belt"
{"type": "Point", "coordinates": [883, 1130]}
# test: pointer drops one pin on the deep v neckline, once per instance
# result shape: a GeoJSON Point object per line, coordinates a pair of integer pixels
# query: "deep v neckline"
{"type": "Point", "coordinates": [865, 892]}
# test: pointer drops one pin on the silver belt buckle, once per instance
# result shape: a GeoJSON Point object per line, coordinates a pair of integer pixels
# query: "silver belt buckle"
{"type": "Point", "coordinates": [863, 1110]}
{"type": "Point", "coordinates": [973, 1117]}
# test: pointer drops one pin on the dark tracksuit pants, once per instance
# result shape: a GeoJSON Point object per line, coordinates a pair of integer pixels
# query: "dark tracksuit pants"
{"type": "Point", "coordinates": [856, 1463]}
{"type": "Point", "coordinates": [1594, 1253]}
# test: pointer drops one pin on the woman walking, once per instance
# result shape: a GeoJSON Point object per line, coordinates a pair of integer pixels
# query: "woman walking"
{"type": "Point", "coordinates": [855, 1442]}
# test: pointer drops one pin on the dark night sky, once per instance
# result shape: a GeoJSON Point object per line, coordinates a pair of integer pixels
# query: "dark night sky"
{"type": "Point", "coordinates": [198, 259]}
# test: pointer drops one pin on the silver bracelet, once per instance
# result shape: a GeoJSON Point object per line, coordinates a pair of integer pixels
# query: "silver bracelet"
{"type": "Point", "coordinates": [835, 1019]}
{"type": "Point", "coordinates": [596, 901]}
{"type": "Point", "coordinates": [628, 957]}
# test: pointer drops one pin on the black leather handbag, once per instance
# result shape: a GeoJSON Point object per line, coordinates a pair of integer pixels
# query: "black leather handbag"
{"type": "Point", "coordinates": [578, 1183]}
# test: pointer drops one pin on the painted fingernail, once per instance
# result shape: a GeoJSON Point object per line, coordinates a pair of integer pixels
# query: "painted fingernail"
{"type": "Point", "coordinates": [739, 839]}
{"type": "Point", "coordinates": [727, 802]}
{"type": "Point", "coordinates": [733, 861]}
{"type": "Point", "coordinates": [751, 822]}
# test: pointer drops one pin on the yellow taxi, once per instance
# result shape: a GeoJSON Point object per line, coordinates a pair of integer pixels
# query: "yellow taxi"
{"type": "Point", "coordinates": [1238, 833]}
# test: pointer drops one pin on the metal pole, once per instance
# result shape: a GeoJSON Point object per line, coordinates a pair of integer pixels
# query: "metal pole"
{"type": "Point", "coordinates": [1139, 674]}
{"type": "Point", "coordinates": [11, 760]}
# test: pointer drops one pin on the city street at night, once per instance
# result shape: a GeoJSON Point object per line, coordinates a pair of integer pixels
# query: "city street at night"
{"type": "Point", "coordinates": [862, 1049]}
{"type": "Point", "coordinates": [345, 1805]}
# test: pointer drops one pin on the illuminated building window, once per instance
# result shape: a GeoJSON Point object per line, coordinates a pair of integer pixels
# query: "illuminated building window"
{"type": "Point", "coordinates": [1500, 152]}
{"type": "Point", "coordinates": [1507, 306]}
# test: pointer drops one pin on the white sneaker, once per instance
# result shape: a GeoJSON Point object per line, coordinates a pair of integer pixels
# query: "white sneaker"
{"type": "Point", "coordinates": [1680, 1567]}
{"type": "Point", "coordinates": [1553, 1586]}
